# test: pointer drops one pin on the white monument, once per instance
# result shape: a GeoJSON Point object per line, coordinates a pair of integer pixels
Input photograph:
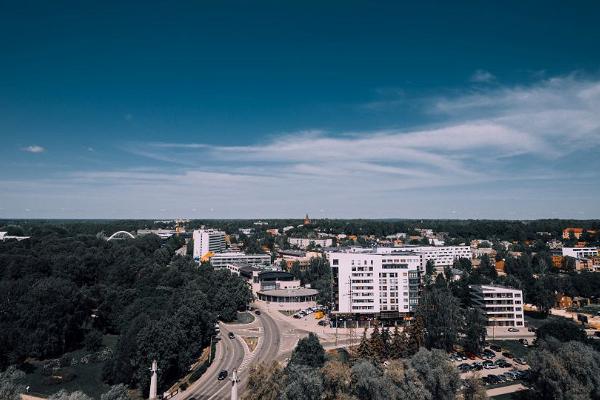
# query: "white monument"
{"type": "Point", "coordinates": [153, 381]}
{"type": "Point", "coordinates": [234, 385]}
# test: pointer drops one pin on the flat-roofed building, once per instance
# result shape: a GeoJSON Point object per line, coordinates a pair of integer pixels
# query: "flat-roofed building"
{"type": "Point", "coordinates": [305, 242]}
{"type": "Point", "coordinates": [503, 306]}
{"type": "Point", "coordinates": [442, 256]}
{"type": "Point", "coordinates": [579, 252]}
{"type": "Point", "coordinates": [379, 284]}
{"type": "Point", "coordinates": [220, 260]}
{"type": "Point", "coordinates": [208, 240]}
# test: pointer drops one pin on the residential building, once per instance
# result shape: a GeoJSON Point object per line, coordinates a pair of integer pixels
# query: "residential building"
{"type": "Point", "coordinates": [219, 260]}
{"type": "Point", "coordinates": [503, 306]}
{"type": "Point", "coordinates": [443, 256]}
{"type": "Point", "coordinates": [379, 284]}
{"type": "Point", "coordinates": [208, 240]}
{"type": "Point", "coordinates": [303, 243]}
{"type": "Point", "coordinates": [579, 252]}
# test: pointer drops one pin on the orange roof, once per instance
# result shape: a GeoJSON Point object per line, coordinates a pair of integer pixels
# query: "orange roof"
{"type": "Point", "coordinates": [574, 230]}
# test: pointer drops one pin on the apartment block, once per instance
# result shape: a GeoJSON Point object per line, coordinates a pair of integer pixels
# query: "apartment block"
{"type": "Point", "coordinates": [381, 285]}
{"type": "Point", "coordinates": [305, 242]}
{"type": "Point", "coordinates": [503, 306]}
{"type": "Point", "coordinates": [208, 240]}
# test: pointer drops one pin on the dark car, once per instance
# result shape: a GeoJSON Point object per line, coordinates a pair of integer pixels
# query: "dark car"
{"type": "Point", "coordinates": [323, 323]}
{"type": "Point", "coordinates": [231, 335]}
{"type": "Point", "coordinates": [507, 354]}
{"type": "Point", "coordinates": [257, 312]}
{"type": "Point", "coordinates": [496, 348]}
{"type": "Point", "coordinates": [222, 375]}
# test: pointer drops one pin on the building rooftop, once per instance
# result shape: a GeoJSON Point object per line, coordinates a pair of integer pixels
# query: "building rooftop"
{"type": "Point", "coordinates": [290, 292]}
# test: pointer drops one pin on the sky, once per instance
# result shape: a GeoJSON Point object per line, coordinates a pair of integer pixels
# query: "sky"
{"type": "Point", "coordinates": [273, 109]}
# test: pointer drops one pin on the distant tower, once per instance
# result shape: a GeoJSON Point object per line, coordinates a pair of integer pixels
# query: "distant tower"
{"type": "Point", "coordinates": [306, 220]}
{"type": "Point", "coordinates": [234, 385]}
{"type": "Point", "coordinates": [153, 381]}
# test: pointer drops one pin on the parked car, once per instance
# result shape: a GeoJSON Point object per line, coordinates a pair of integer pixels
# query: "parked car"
{"type": "Point", "coordinates": [231, 335]}
{"type": "Point", "coordinates": [323, 323]}
{"type": "Point", "coordinates": [257, 312]}
{"type": "Point", "coordinates": [513, 330]}
{"type": "Point", "coordinates": [489, 365]}
{"type": "Point", "coordinates": [462, 356]}
{"type": "Point", "coordinates": [222, 375]}
{"type": "Point", "coordinates": [520, 361]}
{"type": "Point", "coordinates": [507, 354]}
{"type": "Point", "coordinates": [496, 348]}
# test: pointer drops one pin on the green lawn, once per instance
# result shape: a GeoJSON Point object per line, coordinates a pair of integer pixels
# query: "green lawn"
{"type": "Point", "coordinates": [243, 318]}
{"type": "Point", "coordinates": [88, 377]}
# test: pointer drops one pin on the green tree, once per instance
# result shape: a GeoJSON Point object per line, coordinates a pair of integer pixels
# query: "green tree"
{"type": "Point", "coordinates": [302, 383]}
{"type": "Point", "coordinates": [10, 389]}
{"type": "Point", "coordinates": [442, 318]}
{"type": "Point", "coordinates": [398, 344]}
{"type": "Point", "coordinates": [308, 352]}
{"type": "Point", "coordinates": [473, 389]}
{"type": "Point", "coordinates": [561, 329]}
{"type": "Point", "coordinates": [116, 392]}
{"type": "Point", "coordinates": [377, 344]}
{"type": "Point", "coordinates": [364, 348]}
{"type": "Point", "coordinates": [336, 379]}
{"type": "Point", "coordinates": [437, 374]}
{"type": "Point", "coordinates": [474, 330]}
{"type": "Point", "coordinates": [265, 382]}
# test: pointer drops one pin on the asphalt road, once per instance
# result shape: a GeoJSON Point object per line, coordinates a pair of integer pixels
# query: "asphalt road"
{"type": "Point", "coordinates": [229, 356]}
{"type": "Point", "coordinates": [269, 348]}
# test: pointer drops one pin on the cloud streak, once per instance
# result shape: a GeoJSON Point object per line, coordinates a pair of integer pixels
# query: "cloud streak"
{"type": "Point", "coordinates": [515, 138]}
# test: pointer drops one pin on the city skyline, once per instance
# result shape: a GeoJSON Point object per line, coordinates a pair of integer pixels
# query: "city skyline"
{"type": "Point", "coordinates": [342, 111]}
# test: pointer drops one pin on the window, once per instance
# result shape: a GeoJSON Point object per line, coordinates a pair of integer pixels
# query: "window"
{"type": "Point", "coordinates": [336, 261]}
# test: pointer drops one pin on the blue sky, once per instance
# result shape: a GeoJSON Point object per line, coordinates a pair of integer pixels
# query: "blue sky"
{"type": "Point", "coordinates": [275, 109]}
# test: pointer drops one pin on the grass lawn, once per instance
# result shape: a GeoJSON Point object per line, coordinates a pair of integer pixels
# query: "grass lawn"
{"type": "Point", "coordinates": [88, 377]}
{"type": "Point", "coordinates": [243, 318]}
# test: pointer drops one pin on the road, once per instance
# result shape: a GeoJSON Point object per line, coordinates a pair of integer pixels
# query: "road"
{"type": "Point", "coordinates": [268, 349]}
{"type": "Point", "coordinates": [229, 356]}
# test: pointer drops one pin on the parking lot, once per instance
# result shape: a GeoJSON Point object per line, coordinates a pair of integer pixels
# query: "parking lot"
{"type": "Point", "coordinates": [495, 366]}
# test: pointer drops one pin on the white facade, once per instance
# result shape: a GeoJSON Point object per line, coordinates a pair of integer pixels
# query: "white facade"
{"type": "Point", "coordinates": [503, 306]}
{"type": "Point", "coordinates": [442, 256]}
{"type": "Point", "coordinates": [579, 252]}
{"type": "Point", "coordinates": [222, 259]}
{"type": "Point", "coordinates": [5, 236]}
{"type": "Point", "coordinates": [206, 240]}
{"type": "Point", "coordinates": [374, 282]}
{"type": "Point", "coordinates": [304, 242]}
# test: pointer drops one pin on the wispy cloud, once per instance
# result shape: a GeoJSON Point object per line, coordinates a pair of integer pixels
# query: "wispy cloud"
{"type": "Point", "coordinates": [482, 76]}
{"type": "Point", "coordinates": [496, 143]}
{"type": "Point", "coordinates": [33, 149]}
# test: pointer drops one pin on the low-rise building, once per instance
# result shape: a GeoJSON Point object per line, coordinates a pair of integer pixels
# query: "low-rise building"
{"type": "Point", "coordinates": [5, 236]}
{"type": "Point", "coordinates": [219, 260]}
{"type": "Point", "coordinates": [303, 243]}
{"type": "Point", "coordinates": [503, 306]}
{"type": "Point", "coordinates": [579, 252]}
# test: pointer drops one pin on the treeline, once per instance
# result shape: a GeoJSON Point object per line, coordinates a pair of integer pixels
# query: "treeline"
{"type": "Point", "coordinates": [462, 230]}
{"type": "Point", "coordinates": [317, 275]}
{"type": "Point", "coordinates": [311, 374]}
{"type": "Point", "coordinates": [60, 291]}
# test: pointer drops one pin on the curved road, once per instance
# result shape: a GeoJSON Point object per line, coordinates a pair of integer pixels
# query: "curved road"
{"type": "Point", "coordinates": [229, 355]}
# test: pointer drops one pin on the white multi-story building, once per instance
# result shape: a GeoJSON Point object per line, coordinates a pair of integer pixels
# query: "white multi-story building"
{"type": "Point", "coordinates": [442, 256]}
{"type": "Point", "coordinates": [208, 240]}
{"type": "Point", "coordinates": [503, 306]}
{"type": "Point", "coordinates": [304, 242]}
{"type": "Point", "coordinates": [220, 260]}
{"type": "Point", "coordinates": [579, 252]}
{"type": "Point", "coordinates": [375, 283]}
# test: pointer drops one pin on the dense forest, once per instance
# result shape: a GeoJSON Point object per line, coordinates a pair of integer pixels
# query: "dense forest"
{"type": "Point", "coordinates": [62, 290]}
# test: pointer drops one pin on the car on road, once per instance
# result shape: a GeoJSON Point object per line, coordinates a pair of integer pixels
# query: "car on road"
{"type": "Point", "coordinates": [222, 375]}
{"type": "Point", "coordinates": [231, 335]}
{"type": "Point", "coordinates": [513, 330]}
{"type": "Point", "coordinates": [257, 312]}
